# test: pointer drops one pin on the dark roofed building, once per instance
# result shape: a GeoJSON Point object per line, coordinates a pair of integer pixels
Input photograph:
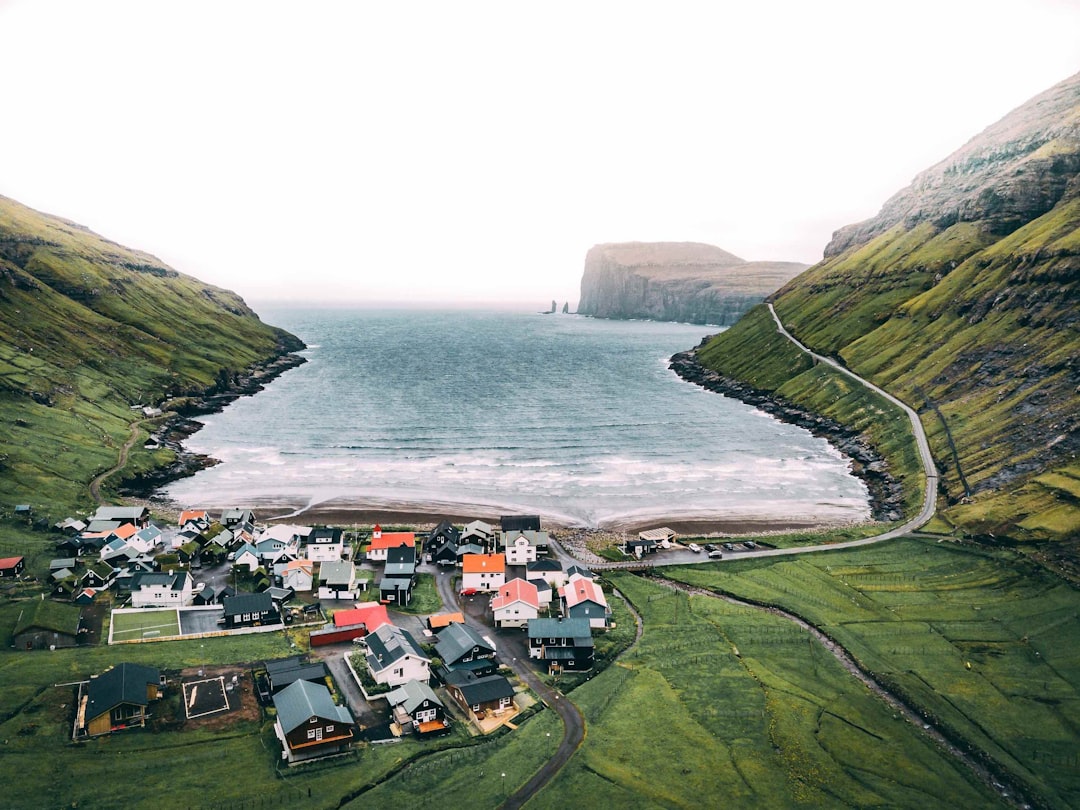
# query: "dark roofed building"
{"type": "Point", "coordinates": [43, 624]}
{"type": "Point", "coordinates": [562, 644]}
{"type": "Point", "coordinates": [250, 610]}
{"type": "Point", "coordinates": [309, 723]}
{"type": "Point", "coordinates": [481, 695]}
{"type": "Point", "coordinates": [520, 523]}
{"type": "Point", "coordinates": [118, 699]}
{"type": "Point", "coordinates": [462, 648]}
{"type": "Point", "coordinates": [287, 671]}
{"type": "Point", "coordinates": [442, 533]}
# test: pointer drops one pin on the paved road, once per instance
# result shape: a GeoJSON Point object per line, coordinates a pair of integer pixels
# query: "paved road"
{"type": "Point", "coordinates": [513, 653]}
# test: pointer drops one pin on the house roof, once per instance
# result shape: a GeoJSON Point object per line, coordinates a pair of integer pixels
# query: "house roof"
{"type": "Point", "coordinates": [247, 548]}
{"type": "Point", "coordinates": [9, 562]}
{"type": "Point", "coordinates": [290, 670]}
{"type": "Point", "coordinates": [247, 603]}
{"type": "Point", "coordinates": [337, 573]}
{"type": "Point", "coordinates": [371, 614]}
{"type": "Point", "coordinates": [441, 620]}
{"type": "Point", "coordinates": [579, 589]}
{"type": "Point", "coordinates": [477, 527]}
{"type": "Point", "coordinates": [400, 569]}
{"type": "Point", "coordinates": [542, 586]}
{"type": "Point", "coordinates": [302, 700]}
{"type": "Point", "coordinates": [392, 539]}
{"type": "Point", "coordinates": [545, 565]}
{"type": "Point", "coordinates": [192, 514]}
{"type": "Point", "coordinates": [511, 523]}
{"type": "Point", "coordinates": [657, 535]}
{"type": "Point", "coordinates": [532, 538]}
{"type": "Point", "coordinates": [122, 513]}
{"type": "Point", "coordinates": [481, 563]}
{"type": "Point", "coordinates": [577, 570]}
{"type": "Point", "coordinates": [457, 640]}
{"type": "Point", "coordinates": [125, 530]}
{"type": "Point", "coordinates": [485, 689]}
{"type": "Point", "coordinates": [575, 628]}
{"type": "Point", "coordinates": [124, 683]}
{"type": "Point", "coordinates": [411, 695]}
{"type": "Point", "coordinates": [305, 565]}
{"type": "Point", "coordinates": [176, 581]}
{"type": "Point", "coordinates": [324, 534]}
{"type": "Point", "coordinates": [389, 644]}
{"type": "Point", "coordinates": [401, 554]}
{"type": "Point", "coordinates": [464, 549]}
{"type": "Point", "coordinates": [395, 583]}
{"type": "Point", "coordinates": [444, 529]}
{"type": "Point", "coordinates": [516, 590]}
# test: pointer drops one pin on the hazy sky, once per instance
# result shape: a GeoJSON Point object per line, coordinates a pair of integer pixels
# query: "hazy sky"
{"type": "Point", "coordinates": [475, 151]}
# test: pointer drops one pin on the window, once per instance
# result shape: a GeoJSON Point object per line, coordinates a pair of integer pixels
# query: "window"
{"type": "Point", "coordinates": [399, 671]}
{"type": "Point", "coordinates": [504, 702]}
{"type": "Point", "coordinates": [311, 734]}
{"type": "Point", "coordinates": [329, 729]}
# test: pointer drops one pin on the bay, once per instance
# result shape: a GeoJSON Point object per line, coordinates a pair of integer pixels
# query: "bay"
{"type": "Point", "coordinates": [573, 418]}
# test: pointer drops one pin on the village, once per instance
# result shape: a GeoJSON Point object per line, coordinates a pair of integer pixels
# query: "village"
{"type": "Point", "coordinates": [397, 632]}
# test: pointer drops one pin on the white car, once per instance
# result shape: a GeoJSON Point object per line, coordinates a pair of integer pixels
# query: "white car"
{"type": "Point", "coordinates": [694, 547]}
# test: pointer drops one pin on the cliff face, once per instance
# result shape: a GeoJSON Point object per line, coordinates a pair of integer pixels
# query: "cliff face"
{"type": "Point", "coordinates": [89, 329]}
{"type": "Point", "coordinates": [962, 297]}
{"type": "Point", "coordinates": [676, 281]}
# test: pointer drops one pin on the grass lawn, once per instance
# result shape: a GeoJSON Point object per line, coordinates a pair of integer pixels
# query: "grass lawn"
{"type": "Point", "coordinates": [425, 597]}
{"type": "Point", "coordinates": [731, 706]}
{"type": "Point", "coordinates": [984, 640]}
{"type": "Point", "coordinates": [144, 624]}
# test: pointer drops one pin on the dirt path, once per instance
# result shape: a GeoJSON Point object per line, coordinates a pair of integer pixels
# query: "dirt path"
{"type": "Point", "coordinates": [121, 462]}
{"type": "Point", "coordinates": [1010, 793]}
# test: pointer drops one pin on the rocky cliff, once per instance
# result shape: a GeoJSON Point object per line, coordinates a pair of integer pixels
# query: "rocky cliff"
{"type": "Point", "coordinates": [676, 281]}
{"type": "Point", "coordinates": [962, 297]}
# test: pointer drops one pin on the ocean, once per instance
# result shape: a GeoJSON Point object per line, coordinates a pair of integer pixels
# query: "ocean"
{"type": "Point", "coordinates": [573, 418]}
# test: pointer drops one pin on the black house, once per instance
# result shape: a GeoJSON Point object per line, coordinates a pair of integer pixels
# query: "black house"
{"type": "Point", "coordinates": [250, 610]}
{"type": "Point", "coordinates": [520, 523]}
{"type": "Point", "coordinates": [442, 533]}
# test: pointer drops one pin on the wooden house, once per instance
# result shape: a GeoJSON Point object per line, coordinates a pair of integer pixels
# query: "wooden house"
{"type": "Point", "coordinates": [250, 610]}
{"type": "Point", "coordinates": [462, 648]}
{"type": "Point", "coordinates": [415, 704]}
{"type": "Point", "coordinates": [516, 602]}
{"type": "Point", "coordinates": [393, 656]}
{"type": "Point", "coordinates": [482, 572]}
{"type": "Point", "coordinates": [117, 699]}
{"type": "Point", "coordinates": [480, 696]}
{"type": "Point", "coordinates": [11, 567]}
{"type": "Point", "coordinates": [562, 644]}
{"type": "Point", "coordinates": [309, 723]}
{"type": "Point", "coordinates": [43, 624]}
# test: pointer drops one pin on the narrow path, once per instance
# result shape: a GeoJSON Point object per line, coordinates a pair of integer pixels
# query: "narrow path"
{"type": "Point", "coordinates": [573, 722]}
{"type": "Point", "coordinates": [1010, 793]}
{"type": "Point", "coordinates": [121, 462]}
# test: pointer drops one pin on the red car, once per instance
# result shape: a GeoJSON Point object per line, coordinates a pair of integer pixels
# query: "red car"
{"type": "Point", "coordinates": [469, 592]}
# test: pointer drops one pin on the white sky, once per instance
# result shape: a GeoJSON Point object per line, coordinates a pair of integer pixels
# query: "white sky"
{"type": "Point", "coordinates": [457, 151]}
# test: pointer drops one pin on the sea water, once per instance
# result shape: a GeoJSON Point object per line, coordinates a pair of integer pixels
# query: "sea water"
{"type": "Point", "coordinates": [574, 418]}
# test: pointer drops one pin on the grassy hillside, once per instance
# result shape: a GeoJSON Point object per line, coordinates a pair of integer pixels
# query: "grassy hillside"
{"type": "Point", "coordinates": [90, 328]}
{"type": "Point", "coordinates": [960, 297]}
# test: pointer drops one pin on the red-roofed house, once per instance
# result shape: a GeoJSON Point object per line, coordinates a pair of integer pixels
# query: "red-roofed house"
{"type": "Point", "coordinates": [483, 572]}
{"type": "Point", "coordinates": [371, 614]}
{"type": "Point", "coordinates": [583, 598]}
{"type": "Point", "coordinates": [11, 566]}
{"type": "Point", "coordinates": [298, 575]}
{"type": "Point", "coordinates": [193, 514]}
{"type": "Point", "coordinates": [125, 531]}
{"type": "Point", "coordinates": [516, 603]}
{"type": "Point", "coordinates": [381, 542]}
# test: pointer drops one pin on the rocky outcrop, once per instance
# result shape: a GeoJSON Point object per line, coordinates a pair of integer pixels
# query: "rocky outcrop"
{"type": "Point", "coordinates": [676, 281]}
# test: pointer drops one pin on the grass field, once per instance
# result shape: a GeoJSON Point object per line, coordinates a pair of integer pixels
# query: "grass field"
{"type": "Point", "coordinates": [983, 640]}
{"type": "Point", "coordinates": [145, 624]}
{"type": "Point", "coordinates": [728, 706]}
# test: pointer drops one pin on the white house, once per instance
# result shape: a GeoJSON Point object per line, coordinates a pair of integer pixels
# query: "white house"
{"type": "Point", "coordinates": [337, 580]}
{"type": "Point", "coordinates": [520, 547]}
{"type": "Point", "coordinates": [247, 555]}
{"type": "Point", "coordinates": [393, 656]}
{"type": "Point", "coordinates": [483, 572]}
{"type": "Point", "coordinates": [582, 598]}
{"type": "Point", "coordinates": [145, 540]}
{"type": "Point", "coordinates": [298, 575]}
{"type": "Point", "coordinates": [477, 532]}
{"type": "Point", "coordinates": [324, 545]}
{"type": "Point", "coordinates": [161, 590]}
{"type": "Point", "coordinates": [548, 569]}
{"type": "Point", "coordinates": [516, 602]}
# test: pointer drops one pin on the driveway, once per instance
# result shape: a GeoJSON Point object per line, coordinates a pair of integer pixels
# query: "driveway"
{"type": "Point", "coordinates": [334, 657]}
{"type": "Point", "coordinates": [200, 621]}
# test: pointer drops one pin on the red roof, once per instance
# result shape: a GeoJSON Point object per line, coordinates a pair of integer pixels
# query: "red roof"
{"type": "Point", "coordinates": [393, 540]}
{"type": "Point", "coordinates": [516, 590]}
{"type": "Point", "coordinates": [125, 531]}
{"type": "Point", "coordinates": [9, 562]}
{"type": "Point", "coordinates": [372, 614]}
{"type": "Point", "coordinates": [483, 563]}
{"type": "Point", "coordinates": [581, 589]}
{"type": "Point", "coordinates": [443, 619]}
{"type": "Point", "coordinates": [191, 514]}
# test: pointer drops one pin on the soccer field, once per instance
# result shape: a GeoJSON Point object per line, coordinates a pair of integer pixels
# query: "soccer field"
{"type": "Point", "coordinates": [144, 624]}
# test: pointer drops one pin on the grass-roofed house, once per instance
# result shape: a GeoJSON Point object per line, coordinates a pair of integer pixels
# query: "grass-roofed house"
{"type": "Point", "coordinates": [44, 624]}
{"type": "Point", "coordinates": [117, 699]}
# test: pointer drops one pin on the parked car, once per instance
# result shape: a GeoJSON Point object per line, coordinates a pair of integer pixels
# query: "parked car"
{"type": "Point", "coordinates": [729, 547]}
{"type": "Point", "coordinates": [750, 544]}
{"type": "Point", "coordinates": [710, 547]}
{"type": "Point", "coordinates": [716, 554]}
{"type": "Point", "coordinates": [694, 547]}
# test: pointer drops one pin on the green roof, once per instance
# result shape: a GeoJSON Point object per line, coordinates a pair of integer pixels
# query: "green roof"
{"type": "Point", "coordinates": [48, 615]}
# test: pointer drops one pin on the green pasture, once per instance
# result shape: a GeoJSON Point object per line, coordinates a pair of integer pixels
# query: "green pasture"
{"type": "Point", "coordinates": [721, 705]}
{"type": "Point", "coordinates": [145, 624]}
{"type": "Point", "coordinates": [984, 641]}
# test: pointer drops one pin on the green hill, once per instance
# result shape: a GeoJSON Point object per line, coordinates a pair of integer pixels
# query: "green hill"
{"type": "Point", "coordinates": [961, 297]}
{"type": "Point", "coordinates": [89, 329]}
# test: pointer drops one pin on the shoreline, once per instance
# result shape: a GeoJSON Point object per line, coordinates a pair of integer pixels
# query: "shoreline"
{"type": "Point", "coordinates": [868, 465]}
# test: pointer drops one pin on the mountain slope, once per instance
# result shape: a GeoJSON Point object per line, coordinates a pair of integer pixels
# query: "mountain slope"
{"type": "Point", "coordinates": [961, 297]}
{"type": "Point", "coordinates": [676, 281]}
{"type": "Point", "coordinates": [89, 329]}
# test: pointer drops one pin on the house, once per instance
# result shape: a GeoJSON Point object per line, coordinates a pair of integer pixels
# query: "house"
{"type": "Point", "coordinates": [401, 555]}
{"type": "Point", "coordinates": [562, 644]}
{"type": "Point", "coordinates": [117, 699]}
{"type": "Point", "coordinates": [231, 518]}
{"type": "Point", "coordinates": [479, 533]}
{"type": "Point", "coordinates": [516, 602]}
{"type": "Point", "coordinates": [44, 624]}
{"type": "Point", "coordinates": [351, 624]}
{"type": "Point", "coordinates": [462, 648]}
{"type": "Point", "coordinates": [415, 704]}
{"type": "Point", "coordinates": [444, 532]}
{"type": "Point", "coordinates": [11, 567]}
{"type": "Point", "coordinates": [250, 610]}
{"type": "Point", "coordinates": [205, 596]}
{"type": "Point", "coordinates": [396, 590]}
{"type": "Point", "coordinates": [145, 540]}
{"type": "Point", "coordinates": [520, 523]}
{"type": "Point", "coordinates": [98, 575]}
{"type": "Point", "coordinates": [393, 656]}
{"type": "Point", "coordinates": [544, 593]}
{"type": "Point", "coordinates": [382, 542]}
{"type": "Point", "coordinates": [464, 549]}
{"type": "Point", "coordinates": [199, 517]}
{"type": "Point", "coordinates": [482, 572]}
{"type": "Point", "coordinates": [273, 549]}
{"type": "Point", "coordinates": [337, 580]}
{"type": "Point", "coordinates": [298, 575]}
{"type": "Point", "coordinates": [325, 545]}
{"type": "Point", "coordinates": [583, 598]}
{"type": "Point", "coordinates": [578, 571]}
{"type": "Point", "coordinates": [246, 556]}
{"type": "Point", "coordinates": [663, 537]}
{"type": "Point", "coordinates": [446, 553]}
{"type": "Point", "coordinates": [86, 596]}
{"type": "Point", "coordinates": [441, 621]}
{"type": "Point", "coordinates": [549, 570]}
{"type": "Point", "coordinates": [481, 696]}
{"type": "Point", "coordinates": [70, 526]}
{"type": "Point", "coordinates": [153, 589]}
{"type": "Point", "coordinates": [640, 547]}
{"type": "Point", "coordinates": [522, 547]}
{"type": "Point", "coordinates": [284, 672]}
{"type": "Point", "coordinates": [137, 516]}
{"type": "Point", "coordinates": [309, 723]}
